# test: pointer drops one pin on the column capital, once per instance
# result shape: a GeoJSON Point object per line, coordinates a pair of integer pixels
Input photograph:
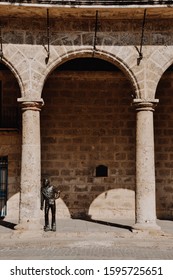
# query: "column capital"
{"type": "Point", "coordinates": [145, 105]}
{"type": "Point", "coordinates": [34, 105]}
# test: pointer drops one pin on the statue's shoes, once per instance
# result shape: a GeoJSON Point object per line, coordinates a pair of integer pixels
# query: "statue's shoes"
{"type": "Point", "coordinates": [53, 228]}
{"type": "Point", "coordinates": [46, 229]}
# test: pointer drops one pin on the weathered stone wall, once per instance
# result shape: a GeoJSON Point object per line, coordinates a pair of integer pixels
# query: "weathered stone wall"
{"type": "Point", "coordinates": [121, 32]}
{"type": "Point", "coordinates": [163, 117]}
{"type": "Point", "coordinates": [25, 44]}
{"type": "Point", "coordinates": [10, 142]}
{"type": "Point", "coordinates": [82, 127]}
{"type": "Point", "coordinates": [71, 159]}
{"type": "Point", "coordinates": [88, 121]}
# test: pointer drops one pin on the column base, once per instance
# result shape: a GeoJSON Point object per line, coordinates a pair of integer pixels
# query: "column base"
{"type": "Point", "coordinates": [29, 226]}
{"type": "Point", "coordinates": [151, 227]}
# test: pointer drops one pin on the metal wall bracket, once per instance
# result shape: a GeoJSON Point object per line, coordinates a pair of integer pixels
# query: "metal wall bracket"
{"type": "Point", "coordinates": [48, 38]}
{"type": "Point", "coordinates": [95, 33]}
{"type": "Point", "coordinates": [139, 50]}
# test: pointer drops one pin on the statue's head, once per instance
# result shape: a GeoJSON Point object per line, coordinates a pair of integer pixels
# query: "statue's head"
{"type": "Point", "coordinates": [46, 182]}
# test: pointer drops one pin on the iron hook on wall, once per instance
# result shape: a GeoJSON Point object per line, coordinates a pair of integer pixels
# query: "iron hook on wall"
{"type": "Point", "coordinates": [95, 34]}
{"type": "Point", "coordinates": [48, 38]}
{"type": "Point", "coordinates": [139, 50]}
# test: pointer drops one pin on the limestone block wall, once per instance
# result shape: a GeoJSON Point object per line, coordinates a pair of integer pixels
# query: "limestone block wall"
{"type": "Point", "coordinates": [163, 118]}
{"type": "Point", "coordinates": [25, 43]}
{"type": "Point", "coordinates": [10, 91]}
{"type": "Point", "coordinates": [81, 131]}
{"type": "Point", "coordinates": [10, 141]}
{"type": "Point", "coordinates": [10, 145]}
{"type": "Point", "coordinates": [88, 121]}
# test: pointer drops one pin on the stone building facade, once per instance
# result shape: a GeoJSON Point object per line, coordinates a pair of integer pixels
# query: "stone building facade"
{"type": "Point", "coordinates": [88, 87]}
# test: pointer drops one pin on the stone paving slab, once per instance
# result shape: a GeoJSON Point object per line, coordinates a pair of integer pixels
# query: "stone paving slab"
{"type": "Point", "coordinates": [90, 249]}
{"type": "Point", "coordinates": [79, 239]}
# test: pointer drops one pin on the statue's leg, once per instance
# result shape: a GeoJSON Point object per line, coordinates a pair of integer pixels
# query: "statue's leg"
{"type": "Point", "coordinates": [47, 228]}
{"type": "Point", "coordinates": [53, 208]}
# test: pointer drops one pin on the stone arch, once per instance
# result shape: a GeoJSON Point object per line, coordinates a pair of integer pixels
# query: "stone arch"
{"type": "Point", "coordinates": [15, 73]}
{"type": "Point", "coordinates": [158, 62]}
{"type": "Point", "coordinates": [77, 53]}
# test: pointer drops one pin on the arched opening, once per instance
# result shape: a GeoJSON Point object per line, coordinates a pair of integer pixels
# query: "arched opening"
{"type": "Point", "coordinates": [87, 121]}
{"type": "Point", "coordinates": [10, 140]}
{"type": "Point", "coordinates": [163, 118]}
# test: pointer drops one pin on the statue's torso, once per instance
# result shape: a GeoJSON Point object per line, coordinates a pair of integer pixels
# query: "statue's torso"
{"type": "Point", "coordinates": [49, 194]}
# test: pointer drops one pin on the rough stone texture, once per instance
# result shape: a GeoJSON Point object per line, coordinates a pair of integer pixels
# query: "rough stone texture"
{"type": "Point", "coordinates": [113, 43]}
{"type": "Point", "coordinates": [87, 119]}
{"type": "Point", "coordinates": [10, 140]}
{"type": "Point", "coordinates": [145, 167]}
{"type": "Point", "coordinates": [12, 146]}
{"type": "Point", "coordinates": [82, 128]}
{"type": "Point", "coordinates": [163, 146]}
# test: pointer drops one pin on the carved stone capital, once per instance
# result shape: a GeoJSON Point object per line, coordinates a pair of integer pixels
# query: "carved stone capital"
{"type": "Point", "coordinates": [145, 105]}
{"type": "Point", "coordinates": [31, 105]}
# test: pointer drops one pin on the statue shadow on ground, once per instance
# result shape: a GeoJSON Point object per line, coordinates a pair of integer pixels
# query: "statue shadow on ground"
{"type": "Point", "coordinates": [111, 224]}
{"type": "Point", "coordinates": [7, 224]}
{"type": "Point", "coordinates": [106, 223]}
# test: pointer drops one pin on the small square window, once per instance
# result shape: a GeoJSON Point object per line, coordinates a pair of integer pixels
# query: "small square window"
{"type": "Point", "coordinates": [101, 171]}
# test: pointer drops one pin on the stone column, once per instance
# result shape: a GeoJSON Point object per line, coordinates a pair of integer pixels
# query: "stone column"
{"type": "Point", "coordinates": [145, 166]}
{"type": "Point", "coordinates": [29, 208]}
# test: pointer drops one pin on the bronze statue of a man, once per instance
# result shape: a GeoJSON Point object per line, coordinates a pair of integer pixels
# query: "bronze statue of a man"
{"type": "Point", "coordinates": [49, 194]}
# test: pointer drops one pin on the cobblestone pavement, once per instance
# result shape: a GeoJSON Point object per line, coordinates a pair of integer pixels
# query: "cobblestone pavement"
{"type": "Point", "coordinates": [77, 239]}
